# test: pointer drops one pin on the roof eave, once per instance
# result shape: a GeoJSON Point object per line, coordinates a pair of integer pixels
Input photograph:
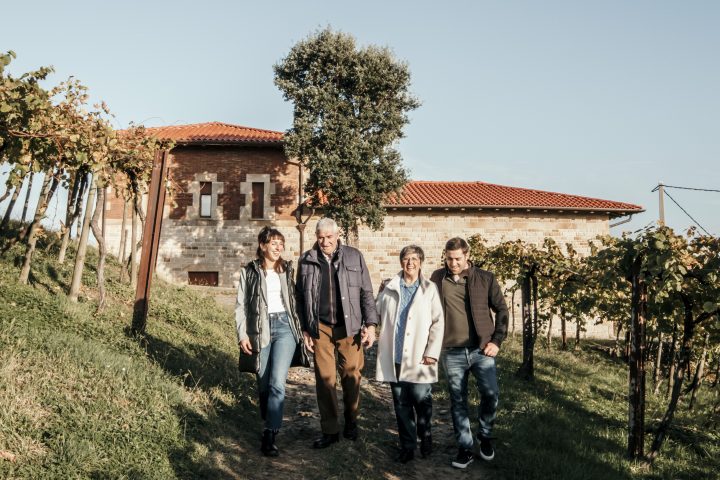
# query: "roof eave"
{"type": "Point", "coordinates": [612, 212]}
{"type": "Point", "coordinates": [234, 143]}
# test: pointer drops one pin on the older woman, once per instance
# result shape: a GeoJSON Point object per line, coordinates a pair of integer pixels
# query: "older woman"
{"type": "Point", "coordinates": [412, 328]}
{"type": "Point", "coordinates": [267, 322]}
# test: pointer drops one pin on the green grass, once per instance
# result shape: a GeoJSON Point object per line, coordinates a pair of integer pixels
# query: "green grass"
{"type": "Point", "coordinates": [80, 398]}
{"type": "Point", "coordinates": [571, 421]}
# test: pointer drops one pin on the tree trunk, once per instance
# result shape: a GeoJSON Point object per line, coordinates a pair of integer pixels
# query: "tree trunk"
{"type": "Point", "coordinates": [74, 210]}
{"type": "Point", "coordinates": [683, 361]}
{"type": "Point", "coordinates": [123, 226]}
{"type": "Point", "coordinates": [578, 330]}
{"type": "Point", "coordinates": [82, 245]}
{"type": "Point", "coordinates": [512, 310]}
{"type": "Point", "coordinates": [99, 236]}
{"type": "Point", "coordinates": [123, 242]}
{"type": "Point", "coordinates": [636, 411]}
{"type": "Point", "coordinates": [716, 381]}
{"type": "Point", "coordinates": [536, 321]}
{"type": "Point", "coordinates": [7, 193]}
{"type": "Point", "coordinates": [104, 213]}
{"type": "Point", "coordinates": [618, 331]}
{"type": "Point", "coordinates": [26, 203]}
{"type": "Point", "coordinates": [672, 355]}
{"type": "Point", "coordinates": [699, 373]}
{"type": "Point", "coordinates": [352, 237]}
{"type": "Point", "coordinates": [549, 333]}
{"type": "Point", "coordinates": [626, 354]}
{"type": "Point", "coordinates": [526, 370]}
{"type": "Point", "coordinates": [133, 250]}
{"type": "Point", "coordinates": [9, 209]}
{"type": "Point", "coordinates": [50, 183]}
{"type": "Point", "coordinates": [658, 364]}
{"type": "Point", "coordinates": [563, 328]}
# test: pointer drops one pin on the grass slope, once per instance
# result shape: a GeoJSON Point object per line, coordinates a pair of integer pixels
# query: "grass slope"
{"type": "Point", "coordinates": [80, 398]}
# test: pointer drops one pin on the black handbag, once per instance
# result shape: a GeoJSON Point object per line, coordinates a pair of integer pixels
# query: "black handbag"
{"type": "Point", "coordinates": [249, 363]}
{"type": "Point", "coordinates": [301, 357]}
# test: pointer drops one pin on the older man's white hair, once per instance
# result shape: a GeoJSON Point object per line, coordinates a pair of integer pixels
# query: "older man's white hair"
{"type": "Point", "coordinates": [325, 224]}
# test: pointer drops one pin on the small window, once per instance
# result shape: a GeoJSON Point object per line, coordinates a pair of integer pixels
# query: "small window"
{"type": "Point", "coordinates": [258, 200]}
{"type": "Point", "coordinates": [208, 279]}
{"type": "Point", "coordinates": [205, 199]}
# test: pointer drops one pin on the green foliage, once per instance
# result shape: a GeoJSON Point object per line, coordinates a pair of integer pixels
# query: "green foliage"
{"type": "Point", "coordinates": [55, 132]}
{"type": "Point", "coordinates": [350, 107]}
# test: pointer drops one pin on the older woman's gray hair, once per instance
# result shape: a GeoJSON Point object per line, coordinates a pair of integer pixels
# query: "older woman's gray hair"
{"type": "Point", "coordinates": [325, 224]}
{"type": "Point", "coordinates": [410, 249]}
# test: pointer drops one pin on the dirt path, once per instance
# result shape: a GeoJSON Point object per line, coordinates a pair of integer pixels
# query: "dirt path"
{"type": "Point", "coordinates": [370, 457]}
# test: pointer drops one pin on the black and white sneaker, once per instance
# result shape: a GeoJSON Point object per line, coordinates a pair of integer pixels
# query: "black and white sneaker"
{"type": "Point", "coordinates": [487, 452]}
{"type": "Point", "coordinates": [463, 459]}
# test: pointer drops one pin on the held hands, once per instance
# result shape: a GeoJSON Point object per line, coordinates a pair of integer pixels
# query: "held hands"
{"type": "Point", "coordinates": [428, 361]}
{"type": "Point", "coordinates": [367, 336]}
{"type": "Point", "coordinates": [307, 339]}
{"type": "Point", "coordinates": [245, 346]}
{"type": "Point", "coordinates": [491, 350]}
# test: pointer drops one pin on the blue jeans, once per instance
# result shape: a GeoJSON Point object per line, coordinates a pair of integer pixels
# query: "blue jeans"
{"type": "Point", "coordinates": [413, 410]}
{"type": "Point", "coordinates": [458, 362]}
{"type": "Point", "coordinates": [274, 365]}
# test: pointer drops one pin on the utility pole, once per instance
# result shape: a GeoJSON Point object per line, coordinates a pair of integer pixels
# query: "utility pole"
{"type": "Point", "coordinates": [661, 204]}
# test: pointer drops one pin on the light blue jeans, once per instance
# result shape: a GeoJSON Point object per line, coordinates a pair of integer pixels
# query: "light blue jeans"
{"type": "Point", "coordinates": [458, 363]}
{"type": "Point", "coordinates": [274, 365]}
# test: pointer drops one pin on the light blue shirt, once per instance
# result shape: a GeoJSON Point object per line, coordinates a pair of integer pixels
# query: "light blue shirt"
{"type": "Point", "coordinates": [407, 292]}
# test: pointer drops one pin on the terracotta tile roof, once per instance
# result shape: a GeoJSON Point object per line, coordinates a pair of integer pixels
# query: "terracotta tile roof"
{"type": "Point", "coordinates": [488, 195]}
{"type": "Point", "coordinates": [215, 132]}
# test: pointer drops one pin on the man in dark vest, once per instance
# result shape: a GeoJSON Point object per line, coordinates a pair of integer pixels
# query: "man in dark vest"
{"type": "Point", "coordinates": [471, 343]}
{"type": "Point", "coordinates": [337, 313]}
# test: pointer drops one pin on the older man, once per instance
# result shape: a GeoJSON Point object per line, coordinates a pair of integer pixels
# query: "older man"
{"type": "Point", "coordinates": [337, 311]}
{"type": "Point", "coordinates": [471, 342]}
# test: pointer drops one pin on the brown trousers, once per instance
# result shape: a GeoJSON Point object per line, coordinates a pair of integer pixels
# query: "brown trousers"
{"type": "Point", "coordinates": [349, 364]}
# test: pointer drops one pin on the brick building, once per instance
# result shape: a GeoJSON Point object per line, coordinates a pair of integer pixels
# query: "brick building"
{"type": "Point", "coordinates": [230, 181]}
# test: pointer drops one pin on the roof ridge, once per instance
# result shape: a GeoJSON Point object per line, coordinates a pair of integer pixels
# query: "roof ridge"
{"type": "Point", "coordinates": [244, 127]}
{"type": "Point", "coordinates": [216, 123]}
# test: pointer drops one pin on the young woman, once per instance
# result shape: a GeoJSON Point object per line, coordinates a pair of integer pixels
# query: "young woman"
{"type": "Point", "coordinates": [411, 334]}
{"type": "Point", "coordinates": [267, 323]}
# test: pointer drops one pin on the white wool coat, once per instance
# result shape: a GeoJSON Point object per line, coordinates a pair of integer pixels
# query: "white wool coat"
{"type": "Point", "coordinates": [423, 333]}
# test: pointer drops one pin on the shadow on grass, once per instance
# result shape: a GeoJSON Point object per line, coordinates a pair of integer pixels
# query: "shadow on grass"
{"type": "Point", "coordinates": [200, 366]}
{"type": "Point", "coordinates": [217, 442]}
{"type": "Point", "coordinates": [544, 434]}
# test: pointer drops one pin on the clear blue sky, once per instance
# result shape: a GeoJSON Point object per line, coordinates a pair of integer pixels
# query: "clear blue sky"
{"type": "Point", "coordinates": [602, 99]}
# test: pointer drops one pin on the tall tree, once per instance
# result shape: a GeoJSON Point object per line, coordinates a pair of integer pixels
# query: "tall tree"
{"type": "Point", "coordinates": [350, 107]}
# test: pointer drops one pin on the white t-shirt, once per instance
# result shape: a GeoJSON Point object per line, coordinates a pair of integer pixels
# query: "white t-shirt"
{"type": "Point", "coordinates": [274, 292]}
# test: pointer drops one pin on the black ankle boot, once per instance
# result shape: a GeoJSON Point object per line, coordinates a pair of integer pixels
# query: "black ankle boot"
{"type": "Point", "coordinates": [268, 447]}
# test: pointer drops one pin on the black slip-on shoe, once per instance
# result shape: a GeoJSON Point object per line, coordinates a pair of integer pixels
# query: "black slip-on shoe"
{"type": "Point", "coordinates": [326, 440]}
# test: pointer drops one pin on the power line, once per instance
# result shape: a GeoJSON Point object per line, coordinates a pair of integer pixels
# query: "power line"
{"type": "Point", "coordinates": [686, 213]}
{"type": "Point", "coordinates": [688, 188]}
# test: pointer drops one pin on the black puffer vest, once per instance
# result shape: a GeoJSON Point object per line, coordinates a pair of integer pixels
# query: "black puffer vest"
{"type": "Point", "coordinates": [256, 302]}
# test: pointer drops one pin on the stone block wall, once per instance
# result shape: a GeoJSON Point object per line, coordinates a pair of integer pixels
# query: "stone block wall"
{"type": "Point", "coordinates": [430, 229]}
